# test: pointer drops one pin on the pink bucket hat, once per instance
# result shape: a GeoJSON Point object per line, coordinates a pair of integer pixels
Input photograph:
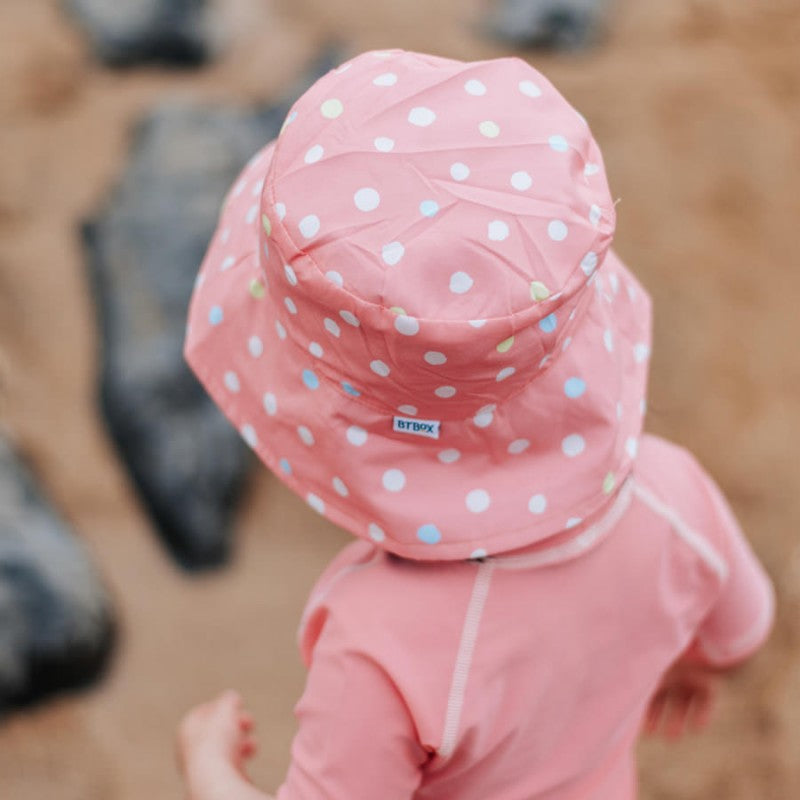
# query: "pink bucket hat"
{"type": "Point", "coordinates": [411, 312]}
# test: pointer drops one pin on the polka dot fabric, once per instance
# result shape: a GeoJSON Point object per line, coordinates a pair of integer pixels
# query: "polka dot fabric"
{"type": "Point", "coordinates": [430, 240]}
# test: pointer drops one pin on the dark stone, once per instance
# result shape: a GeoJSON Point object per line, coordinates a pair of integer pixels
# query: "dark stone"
{"type": "Point", "coordinates": [127, 32]}
{"type": "Point", "coordinates": [556, 24]}
{"type": "Point", "coordinates": [187, 461]}
{"type": "Point", "coordinates": [56, 621]}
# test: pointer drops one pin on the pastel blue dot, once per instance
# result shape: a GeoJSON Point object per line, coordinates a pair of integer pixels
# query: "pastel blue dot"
{"type": "Point", "coordinates": [549, 323]}
{"type": "Point", "coordinates": [286, 466]}
{"type": "Point", "coordinates": [428, 208]}
{"type": "Point", "coordinates": [351, 390]}
{"type": "Point", "coordinates": [574, 387]}
{"type": "Point", "coordinates": [429, 534]}
{"type": "Point", "coordinates": [215, 315]}
{"type": "Point", "coordinates": [310, 379]}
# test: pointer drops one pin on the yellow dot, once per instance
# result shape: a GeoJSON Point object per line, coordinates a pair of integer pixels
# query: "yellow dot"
{"type": "Point", "coordinates": [256, 288]}
{"type": "Point", "coordinates": [539, 291]}
{"type": "Point", "coordinates": [331, 108]}
{"type": "Point", "coordinates": [489, 129]}
{"type": "Point", "coordinates": [268, 226]}
{"type": "Point", "coordinates": [505, 345]}
{"type": "Point", "coordinates": [398, 310]}
{"type": "Point", "coordinates": [609, 483]}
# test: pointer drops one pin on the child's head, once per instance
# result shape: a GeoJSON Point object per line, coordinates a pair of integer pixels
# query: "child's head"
{"type": "Point", "coordinates": [411, 312]}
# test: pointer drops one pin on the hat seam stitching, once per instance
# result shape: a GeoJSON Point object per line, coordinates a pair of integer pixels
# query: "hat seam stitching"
{"type": "Point", "coordinates": [366, 399]}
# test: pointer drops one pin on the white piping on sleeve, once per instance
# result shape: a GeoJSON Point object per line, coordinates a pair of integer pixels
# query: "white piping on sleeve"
{"type": "Point", "coordinates": [700, 545]}
{"type": "Point", "coordinates": [466, 647]}
{"type": "Point", "coordinates": [747, 642]}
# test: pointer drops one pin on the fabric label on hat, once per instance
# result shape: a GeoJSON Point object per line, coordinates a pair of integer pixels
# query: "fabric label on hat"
{"type": "Point", "coordinates": [417, 427]}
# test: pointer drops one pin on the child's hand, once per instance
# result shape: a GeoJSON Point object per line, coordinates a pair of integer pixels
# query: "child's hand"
{"type": "Point", "coordinates": [214, 741]}
{"type": "Point", "coordinates": [684, 701]}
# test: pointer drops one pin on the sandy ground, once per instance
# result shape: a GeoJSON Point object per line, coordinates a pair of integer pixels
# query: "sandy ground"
{"type": "Point", "coordinates": [696, 104]}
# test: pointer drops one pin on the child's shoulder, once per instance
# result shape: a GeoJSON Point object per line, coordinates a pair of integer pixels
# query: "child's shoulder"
{"type": "Point", "coordinates": [366, 592]}
{"type": "Point", "coordinates": [664, 463]}
{"type": "Point", "coordinates": [670, 470]}
{"type": "Point", "coordinates": [368, 581]}
{"type": "Point", "coordinates": [651, 443]}
{"type": "Point", "coordinates": [671, 481]}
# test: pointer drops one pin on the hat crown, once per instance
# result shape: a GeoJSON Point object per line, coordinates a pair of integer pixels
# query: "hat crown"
{"type": "Point", "coordinates": [433, 225]}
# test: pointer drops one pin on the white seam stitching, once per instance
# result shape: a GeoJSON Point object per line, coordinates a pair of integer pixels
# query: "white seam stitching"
{"type": "Point", "coordinates": [697, 542]}
{"type": "Point", "coordinates": [466, 647]}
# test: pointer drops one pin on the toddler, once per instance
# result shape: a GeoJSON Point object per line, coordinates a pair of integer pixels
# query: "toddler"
{"type": "Point", "coordinates": [412, 313]}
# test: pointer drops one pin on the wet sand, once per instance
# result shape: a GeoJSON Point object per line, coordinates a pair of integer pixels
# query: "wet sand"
{"type": "Point", "coordinates": [696, 105]}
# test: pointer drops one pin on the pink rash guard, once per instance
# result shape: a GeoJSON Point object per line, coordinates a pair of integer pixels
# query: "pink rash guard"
{"type": "Point", "coordinates": [526, 675]}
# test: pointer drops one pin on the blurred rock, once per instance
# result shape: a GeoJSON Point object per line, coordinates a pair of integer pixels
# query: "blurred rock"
{"type": "Point", "coordinates": [127, 32]}
{"type": "Point", "coordinates": [145, 249]}
{"type": "Point", "coordinates": [56, 625]}
{"type": "Point", "coordinates": [187, 461]}
{"type": "Point", "coordinates": [557, 24]}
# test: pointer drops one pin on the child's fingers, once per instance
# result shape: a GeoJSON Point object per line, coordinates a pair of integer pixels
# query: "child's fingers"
{"type": "Point", "coordinates": [655, 712]}
{"type": "Point", "coordinates": [666, 714]}
{"type": "Point", "coordinates": [703, 708]}
{"type": "Point", "coordinates": [651, 717]}
{"type": "Point", "coordinates": [697, 709]}
{"type": "Point", "coordinates": [680, 707]}
{"type": "Point", "coordinates": [675, 723]}
{"type": "Point", "coordinates": [248, 748]}
{"type": "Point", "coordinates": [246, 722]}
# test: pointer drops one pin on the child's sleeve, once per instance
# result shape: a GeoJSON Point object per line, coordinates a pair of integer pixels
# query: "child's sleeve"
{"type": "Point", "coordinates": [741, 617]}
{"type": "Point", "coordinates": [356, 736]}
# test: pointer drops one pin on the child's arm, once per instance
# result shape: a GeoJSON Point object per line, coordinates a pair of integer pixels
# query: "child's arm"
{"type": "Point", "coordinates": [740, 620]}
{"type": "Point", "coordinates": [356, 737]}
{"type": "Point", "coordinates": [733, 630]}
{"type": "Point", "coordinates": [214, 741]}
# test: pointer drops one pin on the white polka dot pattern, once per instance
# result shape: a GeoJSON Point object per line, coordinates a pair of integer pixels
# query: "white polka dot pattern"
{"type": "Point", "coordinates": [394, 480]}
{"type": "Point", "coordinates": [451, 269]}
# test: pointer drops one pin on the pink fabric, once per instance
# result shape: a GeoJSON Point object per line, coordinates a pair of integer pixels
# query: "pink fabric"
{"type": "Point", "coordinates": [428, 240]}
{"type": "Point", "coordinates": [569, 644]}
{"type": "Point", "coordinates": [426, 250]}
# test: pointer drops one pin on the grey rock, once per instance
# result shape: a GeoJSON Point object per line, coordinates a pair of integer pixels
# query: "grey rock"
{"type": "Point", "coordinates": [144, 250]}
{"type": "Point", "coordinates": [127, 32]}
{"type": "Point", "coordinates": [56, 621]}
{"type": "Point", "coordinates": [557, 24]}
